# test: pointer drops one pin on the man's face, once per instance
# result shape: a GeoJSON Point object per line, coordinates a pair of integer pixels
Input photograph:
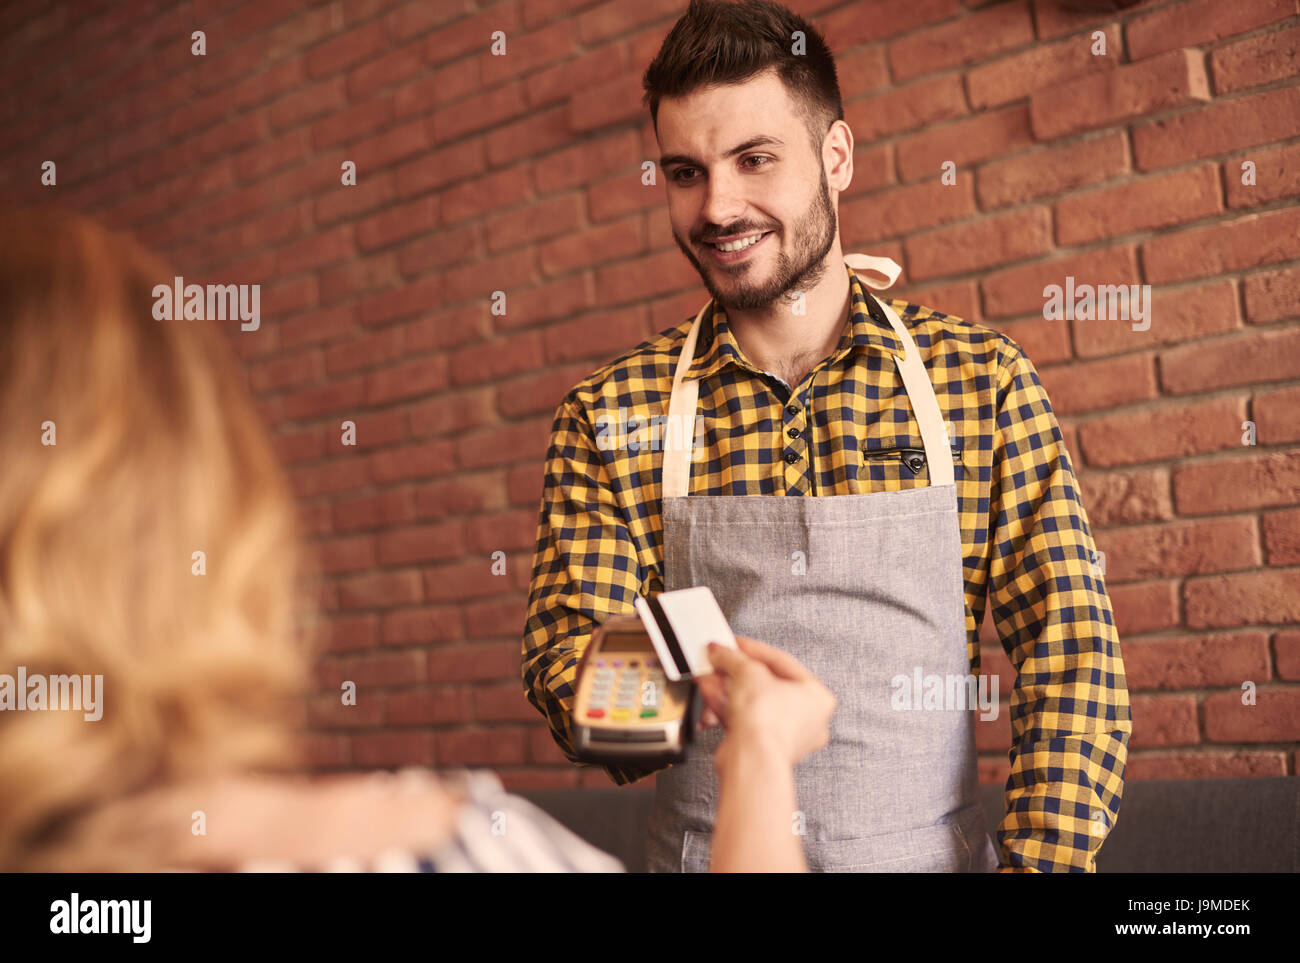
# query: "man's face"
{"type": "Point", "coordinates": [778, 188]}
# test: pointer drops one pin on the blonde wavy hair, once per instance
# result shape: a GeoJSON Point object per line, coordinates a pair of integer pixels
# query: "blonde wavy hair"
{"type": "Point", "coordinates": [158, 454]}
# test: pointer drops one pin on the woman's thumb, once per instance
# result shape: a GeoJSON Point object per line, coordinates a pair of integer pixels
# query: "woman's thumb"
{"type": "Point", "coordinates": [723, 657]}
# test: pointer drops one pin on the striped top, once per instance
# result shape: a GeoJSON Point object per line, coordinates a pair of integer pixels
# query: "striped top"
{"type": "Point", "coordinates": [496, 832]}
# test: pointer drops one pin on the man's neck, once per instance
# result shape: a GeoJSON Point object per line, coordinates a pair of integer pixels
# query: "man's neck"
{"type": "Point", "coordinates": [790, 345]}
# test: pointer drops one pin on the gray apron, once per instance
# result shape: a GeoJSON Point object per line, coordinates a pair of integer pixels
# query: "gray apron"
{"type": "Point", "coordinates": [876, 594]}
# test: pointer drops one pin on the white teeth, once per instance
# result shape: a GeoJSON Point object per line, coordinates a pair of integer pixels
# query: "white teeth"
{"type": "Point", "coordinates": [740, 245]}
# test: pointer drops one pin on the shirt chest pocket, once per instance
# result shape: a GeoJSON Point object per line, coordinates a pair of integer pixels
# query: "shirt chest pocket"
{"type": "Point", "coordinates": [899, 464]}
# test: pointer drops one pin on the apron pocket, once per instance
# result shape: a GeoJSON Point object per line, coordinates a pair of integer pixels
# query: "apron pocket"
{"type": "Point", "coordinates": [941, 848]}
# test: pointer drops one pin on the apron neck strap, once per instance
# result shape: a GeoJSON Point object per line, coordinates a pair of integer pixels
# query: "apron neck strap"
{"type": "Point", "coordinates": [683, 401]}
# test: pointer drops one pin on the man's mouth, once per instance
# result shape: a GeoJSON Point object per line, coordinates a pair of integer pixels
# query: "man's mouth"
{"type": "Point", "coordinates": [737, 245]}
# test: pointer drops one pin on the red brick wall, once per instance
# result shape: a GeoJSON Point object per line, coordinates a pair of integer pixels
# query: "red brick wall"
{"type": "Point", "coordinates": [522, 173]}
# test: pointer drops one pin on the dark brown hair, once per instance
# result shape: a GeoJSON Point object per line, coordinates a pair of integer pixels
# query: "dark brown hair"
{"type": "Point", "coordinates": [718, 42]}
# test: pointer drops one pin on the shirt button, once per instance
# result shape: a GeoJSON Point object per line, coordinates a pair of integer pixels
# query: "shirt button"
{"type": "Point", "coordinates": [791, 458]}
{"type": "Point", "coordinates": [792, 432]}
{"type": "Point", "coordinates": [792, 410]}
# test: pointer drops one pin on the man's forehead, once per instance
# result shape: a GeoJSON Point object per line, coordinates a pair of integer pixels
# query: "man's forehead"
{"type": "Point", "coordinates": [724, 120]}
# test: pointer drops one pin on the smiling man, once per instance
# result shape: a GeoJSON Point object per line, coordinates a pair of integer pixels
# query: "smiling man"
{"type": "Point", "coordinates": [921, 467]}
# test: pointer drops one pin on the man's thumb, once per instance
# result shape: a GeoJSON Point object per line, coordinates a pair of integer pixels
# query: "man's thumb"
{"type": "Point", "coordinates": [724, 657]}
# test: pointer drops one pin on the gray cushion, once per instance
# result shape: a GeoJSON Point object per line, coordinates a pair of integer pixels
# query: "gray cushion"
{"type": "Point", "coordinates": [1175, 826]}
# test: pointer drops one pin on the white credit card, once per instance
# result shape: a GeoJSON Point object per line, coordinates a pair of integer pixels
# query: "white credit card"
{"type": "Point", "coordinates": [681, 625]}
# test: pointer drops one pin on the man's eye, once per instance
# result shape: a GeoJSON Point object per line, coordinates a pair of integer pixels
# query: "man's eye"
{"type": "Point", "coordinates": [677, 175]}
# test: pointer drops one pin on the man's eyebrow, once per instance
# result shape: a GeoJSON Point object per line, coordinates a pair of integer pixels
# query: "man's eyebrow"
{"type": "Point", "coordinates": [759, 141]}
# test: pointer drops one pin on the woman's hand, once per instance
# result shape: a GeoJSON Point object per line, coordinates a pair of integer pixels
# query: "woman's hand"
{"type": "Point", "coordinates": [765, 698]}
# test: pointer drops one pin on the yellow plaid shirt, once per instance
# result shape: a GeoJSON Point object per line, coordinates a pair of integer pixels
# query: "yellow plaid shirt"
{"type": "Point", "coordinates": [1026, 541]}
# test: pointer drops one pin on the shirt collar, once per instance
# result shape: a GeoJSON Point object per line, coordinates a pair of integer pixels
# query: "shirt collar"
{"type": "Point", "coordinates": [866, 327]}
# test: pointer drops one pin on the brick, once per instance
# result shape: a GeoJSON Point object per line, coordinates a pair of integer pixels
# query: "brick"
{"type": "Point", "coordinates": [501, 703]}
{"type": "Point", "coordinates": [1275, 716]}
{"type": "Point", "coordinates": [1144, 606]}
{"type": "Point", "coordinates": [1235, 245]}
{"type": "Point", "coordinates": [1282, 537]}
{"type": "Point", "coordinates": [1124, 497]}
{"type": "Point", "coordinates": [538, 393]}
{"type": "Point", "coordinates": [396, 224]}
{"type": "Point", "coordinates": [318, 326]}
{"type": "Point", "coordinates": [963, 41]}
{"type": "Point", "coordinates": [380, 590]}
{"type": "Point", "coordinates": [495, 359]}
{"type": "Point", "coordinates": [585, 72]}
{"type": "Point", "coordinates": [590, 161]}
{"type": "Point", "coordinates": [479, 112]}
{"type": "Point", "coordinates": [437, 88]}
{"type": "Point", "coordinates": [1163, 720]}
{"type": "Point", "coordinates": [318, 250]}
{"type": "Point", "coordinates": [411, 462]}
{"type": "Point", "coordinates": [351, 633]}
{"type": "Point", "coordinates": [444, 705]}
{"type": "Point", "coordinates": [1273, 295]}
{"type": "Point", "coordinates": [601, 335]}
{"type": "Point", "coordinates": [496, 619]}
{"type": "Point", "coordinates": [438, 168]}
{"type": "Point", "coordinates": [485, 194]}
{"type": "Point", "coordinates": [403, 303]}
{"type": "Point", "coordinates": [1277, 416]}
{"type": "Point", "coordinates": [1092, 385]}
{"type": "Point", "coordinates": [453, 411]}
{"type": "Point", "coordinates": [1196, 661]}
{"type": "Point", "coordinates": [1153, 202]}
{"type": "Point", "coordinates": [1056, 19]}
{"type": "Point", "coordinates": [536, 222]}
{"type": "Point", "coordinates": [1139, 552]}
{"type": "Point", "coordinates": [440, 250]}
{"type": "Point", "coordinates": [959, 299]}
{"type": "Point", "coordinates": [397, 64]}
{"type": "Point", "coordinates": [495, 746]}
{"type": "Point", "coordinates": [529, 52]}
{"type": "Point", "coordinates": [286, 371]}
{"type": "Point", "coordinates": [373, 511]}
{"type": "Point", "coordinates": [474, 577]}
{"type": "Point", "coordinates": [1169, 432]}
{"type": "Point", "coordinates": [991, 241]}
{"type": "Point", "coordinates": [504, 444]}
{"type": "Point", "coordinates": [1236, 484]}
{"type": "Point", "coordinates": [1287, 646]}
{"type": "Point", "coordinates": [346, 49]}
{"type": "Point", "coordinates": [1199, 22]}
{"type": "Point", "coordinates": [1206, 765]}
{"type": "Point", "coordinates": [313, 402]}
{"type": "Point", "coordinates": [590, 246]}
{"type": "Point", "coordinates": [1053, 170]}
{"type": "Point", "coordinates": [361, 277]}
{"type": "Point", "coordinates": [422, 543]}
{"type": "Point", "coordinates": [618, 284]}
{"type": "Point", "coordinates": [458, 496]}
{"type": "Point", "coordinates": [964, 142]}
{"type": "Point", "coordinates": [422, 626]}
{"type": "Point", "coordinates": [1259, 60]}
{"type": "Point", "coordinates": [1044, 342]}
{"type": "Point", "coordinates": [1180, 315]}
{"type": "Point", "coordinates": [1043, 65]}
{"type": "Point", "coordinates": [1270, 596]}
{"type": "Point", "coordinates": [1226, 127]}
{"type": "Point", "coordinates": [1252, 358]}
{"type": "Point", "coordinates": [347, 127]}
{"type": "Point", "coordinates": [393, 145]}
{"type": "Point", "coordinates": [1019, 290]}
{"type": "Point", "coordinates": [907, 108]}
{"type": "Point", "coordinates": [373, 750]}
{"type": "Point", "coordinates": [505, 531]}
{"type": "Point", "coordinates": [888, 19]}
{"type": "Point", "coordinates": [1111, 97]}
{"type": "Point", "coordinates": [1277, 175]}
{"type": "Point", "coordinates": [330, 712]}
{"type": "Point", "coordinates": [862, 70]}
{"type": "Point", "coordinates": [901, 210]}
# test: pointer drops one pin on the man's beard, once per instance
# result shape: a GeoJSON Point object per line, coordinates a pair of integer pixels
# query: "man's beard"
{"type": "Point", "coordinates": [814, 234]}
